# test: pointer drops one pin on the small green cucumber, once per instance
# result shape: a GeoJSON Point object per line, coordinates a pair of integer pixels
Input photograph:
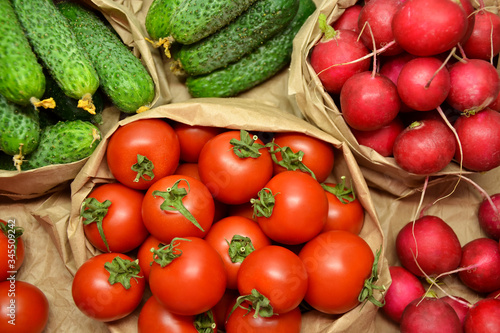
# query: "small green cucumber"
{"type": "Point", "coordinates": [22, 78]}
{"type": "Point", "coordinates": [263, 20]}
{"type": "Point", "coordinates": [56, 46]}
{"type": "Point", "coordinates": [64, 142]}
{"type": "Point", "coordinates": [254, 68]}
{"type": "Point", "coordinates": [122, 75]}
{"type": "Point", "coordinates": [157, 21]}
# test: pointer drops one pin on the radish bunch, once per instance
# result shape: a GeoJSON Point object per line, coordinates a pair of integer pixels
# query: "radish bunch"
{"type": "Point", "coordinates": [423, 69]}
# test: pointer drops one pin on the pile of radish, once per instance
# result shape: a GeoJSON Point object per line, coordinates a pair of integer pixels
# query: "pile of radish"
{"type": "Point", "coordinates": [416, 80]}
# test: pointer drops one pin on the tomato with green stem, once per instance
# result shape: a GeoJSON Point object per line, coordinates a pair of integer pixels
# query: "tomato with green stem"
{"type": "Point", "coordinates": [11, 249]}
{"type": "Point", "coordinates": [145, 254]}
{"type": "Point", "coordinates": [192, 138]}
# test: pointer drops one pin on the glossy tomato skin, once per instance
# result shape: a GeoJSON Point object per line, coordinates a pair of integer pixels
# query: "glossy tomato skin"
{"type": "Point", "coordinates": [165, 225]}
{"type": "Point", "coordinates": [300, 209]}
{"type": "Point", "coordinates": [152, 138]}
{"type": "Point", "coordinates": [100, 300]}
{"type": "Point", "coordinates": [11, 255]}
{"type": "Point", "coordinates": [338, 262]}
{"type": "Point", "coordinates": [145, 256]}
{"type": "Point", "coordinates": [123, 227]}
{"type": "Point", "coordinates": [192, 138]}
{"type": "Point", "coordinates": [231, 179]}
{"type": "Point", "coordinates": [223, 231]}
{"type": "Point", "coordinates": [349, 216]}
{"type": "Point", "coordinates": [31, 307]}
{"type": "Point", "coordinates": [193, 282]}
{"type": "Point", "coordinates": [319, 156]}
{"type": "Point", "coordinates": [188, 169]}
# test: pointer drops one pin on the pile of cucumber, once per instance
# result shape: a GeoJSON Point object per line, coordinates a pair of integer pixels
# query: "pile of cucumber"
{"type": "Point", "coordinates": [59, 63]}
{"type": "Point", "coordinates": [226, 47]}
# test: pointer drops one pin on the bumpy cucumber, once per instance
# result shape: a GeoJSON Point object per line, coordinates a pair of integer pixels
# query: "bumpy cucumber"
{"type": "Point", "coordinates": [197, 19]}
{"type": "Point", "coordinates": [158, 18]}
{"type": "Point", "coordinates": [56, 46]}
{"type": "Point", "coordinates": [260, 22]}
{"type": "Point", "coordinates": [254, 68]}
{"type": "Point", "coordinates": [64, 142]}
{"type": "Point", "coordinates": [122, 75]}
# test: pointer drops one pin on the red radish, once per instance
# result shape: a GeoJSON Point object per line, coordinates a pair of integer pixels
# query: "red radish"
{"type": "Point", "coordinates": [460, 305]}
{"type": "Point", "coordinates": [480, 140]}
{"type": "Point", "coordinates": [474, 85]}
{"type": "Point", "coordinates": [349, 19]}
{"type": "Point", "coordinates": [483, 317]}
{"type": "Point", "coordinates": [378, 14]}
{"type": "Point", "coordinates": [392, 66]}
{"type": "Point", "coordinates": [481, 257]}
{"type": "Point", "coordinates": [430, 242]}
{"type": "Point", "coordinates": [381, 140]}
{"type": "Point", "coordinates": [405, 287]}
{"type": "Point", "coordinates": [489, 217]}
{"type": "Point", "coordinates": [369, 101]}
{"type": "Point", "coordinates": [484, 42]}
{"type": "Point", "coordinates": [423, 83]}
{"type": "Point", "coordinates": [334, 57]}
{"type": "Point", "coordinates": [429, 27]}
{"type": "Point", "coordinates": [430, 315]}
{"type": "Point", "coordinates": [494, 294]}
{"type": "Point", "coordinates": [495, 105]}
{"type": "Point", "coordinates": [425, 147]}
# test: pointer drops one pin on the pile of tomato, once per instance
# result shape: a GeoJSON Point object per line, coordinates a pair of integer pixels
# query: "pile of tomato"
{"type": "Point", "coordinates": [217, 229]}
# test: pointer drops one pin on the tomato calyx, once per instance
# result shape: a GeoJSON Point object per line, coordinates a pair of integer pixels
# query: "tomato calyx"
{"type": "Point", "coordinates": [239, 248]}
{"type": "Point", "coordinates": [263, 206]}
{"type": "Point", "coordinates": [167, 253]}
{"type": "Point", "coordinates": [173, 201]}
{"type": "Point", "coordinates": [255, 301]}
{"type": "Point", "coordinates": [289, 159]}
{"type": "Point", "coordinates": [366, 293]}
{"type": "Point", "coordinates": [123, 271]}
{"type": "Point", "coordinates": [246, 147]}
{"type": "Point", "coordinates": [12, 232]}
{"type": "Point", "coordinates": [144, 167]}
{"type": "Point", "coordinates": [205, 322]}
{"type": "Point", "coordinates": [93, 210]}
{"type": "Point", "coordinates": [343, 193]}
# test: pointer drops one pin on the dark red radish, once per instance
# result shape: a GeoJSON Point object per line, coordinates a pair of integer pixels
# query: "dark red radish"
{"type": "Point", "coordinates": [484, 41]}
{"type": "Point", "coordinates": [335, 57]}
{"type": "Point", "coordinates": [378, 14]}
{"type": "Point", "coordinates": [430, 315]}
{"type": "Point", "coordinates": [423, 83]}
{"type": "Point", "coordinates": [480, 140]}
{"type": "Point", "coordinates": [381, 140]}
{"type": "Point", "coordinates": [483, 317]}
{"type": "Point", "coordinates": [430, 27]}
{"type": "Point", "coordinates": [489, 216]}
{"type": "Point", "coordinates": [474, 85]}
{"type": "Point", "coordinates": [349, 19]}
{"type": "Point", "coordinates": [391, 67]}
{"type": "Point", "coordinates": [405, 287]}
{"type": "Point", "coordinates": [480, 265]}
{"type": "Point", "coordinates": [495, 105]}
{"type": "Point", "coordinates": [369, 101]}
{"type": "Point", "coordinates": [494, 294]}
{"type": "Point", "coordinates": [430, 242]}
{"type": "Point", "coordinates": [425, 147]}
{"type": "Point", "coordinates": [460, 305]}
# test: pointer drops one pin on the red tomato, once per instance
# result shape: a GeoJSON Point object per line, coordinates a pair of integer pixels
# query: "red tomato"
{"type": "Point", "coordinates": [345, 211]}
{"type": "Point", "coordinates": [278, 274]}
{"type": "Point", "coordinates": [192, 138]}
{"type": "Point", "coordinates": [244, 209]}
{"type": "Point", "coordinates": [122, 223]}
{"type": "Point", "coordinates": [188, 169]}
{"type": "Point", "coordinates": [222, 308]}
{"type": "Point", "coordinates": [11, 249]}
{"type": "Point", "coordinates": [250, 237]}
{"type": "Point", "coordinates": [154, 140]}
{"type": "Point", "coordinates": [338, 262]}
{"type": "Point", "coordinates": [145, 256]}
{"type": "Point", "coordinates": [175, 205]}
{"type": "Point", "coordinates": [318, 155]}
{"type": "Point", "coordinates": [193, 282]}
{"type": "Point", "coordinates": [97, 298]}
{"type": "Point", "coordinates": [232, 179]}
{"type": "Point", "coordinates": [299, 211]}
{"type": "Point", "coordinates": [25, 308]}
{"type": "Point", "coordinates": [154, 318]}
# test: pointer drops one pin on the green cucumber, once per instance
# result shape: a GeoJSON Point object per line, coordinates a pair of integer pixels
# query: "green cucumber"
{"type": "Point", "coordinates": [122, 75]}
{"type": "Point", "coordinates": [157, 21]}
{"type": "Point", "coordinates": [56, 46]}
{"type": "Point", "coordinates": [263, 20]}
{"type": "Point", "coordinates": [254, 68]}
{"type": "Point", "coordinates": [21, 76]}
{"type": "Point", "coordinates": [64, 142]}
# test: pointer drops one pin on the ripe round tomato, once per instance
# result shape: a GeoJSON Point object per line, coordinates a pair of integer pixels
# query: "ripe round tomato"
{"type": "Point", "coordinates": [249, 237]}
{"type": "Point", "coordinates": [178, 206]}
{"type": "Point", "coordinates": [97, 298]}
{"type": "Point", "coordinates": [192, 138]}
{"type": "Point", "coordinates": [25, 308]}
{"type": "Point", "coordinates": [188, 169]}
{"type": "Point", "coordinates": [318, 155]}
{"type": "Point", "coordinates": [299, 211]}
{"type": "Point", "coordinates": [338, 262]}
{"type": "Point", "coordinates": [193, 282]}
{"type": "Point", "coordinates": [11, 249]}
{"type": "Point", "coordinates": [278, 274]}
{"type": "Point", "coordinates": [232, 179]}
{"type": "Point", "coordinates": [145, 256]}
{"type": "Point", "coordinates": [142, 152]}
{"type": "Point", "coordinates": [345, 211]}
{"type": "Point", "coordinates": [122, 223]}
